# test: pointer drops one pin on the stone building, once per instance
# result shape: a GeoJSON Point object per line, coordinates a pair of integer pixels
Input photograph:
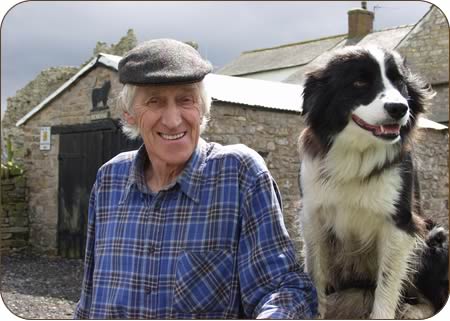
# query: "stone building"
{"type": "Point", "coordinates": [426, 49]}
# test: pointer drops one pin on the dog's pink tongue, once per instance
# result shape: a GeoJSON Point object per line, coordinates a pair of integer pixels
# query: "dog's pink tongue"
{"type": "Point", "coordinates": [387, 129]}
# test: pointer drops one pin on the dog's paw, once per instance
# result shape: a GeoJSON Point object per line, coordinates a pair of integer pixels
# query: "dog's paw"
{"type": "Point", "coordinates": [432, 277]}
{"type": "Point", "coordinates": [437, 238]}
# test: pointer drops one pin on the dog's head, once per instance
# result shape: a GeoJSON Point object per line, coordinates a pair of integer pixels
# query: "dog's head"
{"type": "Point", "coordinates": [369, 89]}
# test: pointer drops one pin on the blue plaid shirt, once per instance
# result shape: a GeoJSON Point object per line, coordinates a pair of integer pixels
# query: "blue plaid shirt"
{"type": "Point", "coordinates": [211, 245]}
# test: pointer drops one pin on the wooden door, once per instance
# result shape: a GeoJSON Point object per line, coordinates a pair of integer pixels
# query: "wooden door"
{"type": "Point", "coordinates": [82, 152]}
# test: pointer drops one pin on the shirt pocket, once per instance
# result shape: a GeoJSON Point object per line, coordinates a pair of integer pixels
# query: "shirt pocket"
{"type": "Point", "coordinates": [203, 281]}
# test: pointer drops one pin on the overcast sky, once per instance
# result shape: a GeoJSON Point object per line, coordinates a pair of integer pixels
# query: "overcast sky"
{"type": "Point", "coordinates": [36, 35]}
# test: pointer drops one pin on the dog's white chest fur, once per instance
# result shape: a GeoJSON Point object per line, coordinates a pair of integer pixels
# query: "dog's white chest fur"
{"type": "Point", "coordinates": [337, 188]}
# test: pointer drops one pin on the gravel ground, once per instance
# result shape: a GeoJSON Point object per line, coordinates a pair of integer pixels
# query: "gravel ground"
{"type": "Point", "coordinates": [40, 287]}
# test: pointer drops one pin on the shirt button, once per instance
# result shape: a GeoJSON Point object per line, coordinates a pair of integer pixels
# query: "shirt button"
{"type": "Point", "coordinates": [151, 250]}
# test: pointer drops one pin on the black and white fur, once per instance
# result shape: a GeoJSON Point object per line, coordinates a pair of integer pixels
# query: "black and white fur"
{"type": "Point", "coordinates": [360, 218]}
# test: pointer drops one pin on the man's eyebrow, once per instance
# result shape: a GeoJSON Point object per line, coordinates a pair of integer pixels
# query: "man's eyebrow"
{"type": "Point", "coordinates": [188, 88]}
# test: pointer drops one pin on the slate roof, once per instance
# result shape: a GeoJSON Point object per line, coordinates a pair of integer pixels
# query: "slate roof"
{"type": "Point", "coordinates": [387, 38]}
{"type": "Point", "coordinates": [295, 54]}
{"type": "Point", "coordinates": [302, 53]}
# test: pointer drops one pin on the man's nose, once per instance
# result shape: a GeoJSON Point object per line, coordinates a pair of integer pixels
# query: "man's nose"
{"type": "Point", "coordinates": [171, 116]}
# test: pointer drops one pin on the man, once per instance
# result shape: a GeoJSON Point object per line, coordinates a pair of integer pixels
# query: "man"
{"type": "Point", "coordinates": [183, 228]}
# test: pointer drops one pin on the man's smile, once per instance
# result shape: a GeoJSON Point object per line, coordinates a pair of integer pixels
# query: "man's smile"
{"type": "Point", "coordinates": [173, 136]}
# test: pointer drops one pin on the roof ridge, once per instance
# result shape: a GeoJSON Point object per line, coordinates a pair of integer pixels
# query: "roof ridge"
{"type": "Point", "coordinates": [294, 43]}
{"type": "Point", "coordinates": [321, 39]}
{"type": "Point", "coordinates": [395, 27]}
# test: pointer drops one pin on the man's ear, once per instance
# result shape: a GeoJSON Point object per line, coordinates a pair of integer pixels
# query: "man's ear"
{"type": "Point", "coordinates": [130, 119]}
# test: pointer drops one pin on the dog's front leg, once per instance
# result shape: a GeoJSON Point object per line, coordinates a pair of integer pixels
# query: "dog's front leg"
{"type": "Point", "coordinates": [316, 263]}
{"type": "Point", "coordinates": [395, 249]}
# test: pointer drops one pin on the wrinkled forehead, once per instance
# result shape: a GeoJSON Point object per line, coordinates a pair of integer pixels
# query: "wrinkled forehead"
{"type": "Point", "coordinates": [166, 90]}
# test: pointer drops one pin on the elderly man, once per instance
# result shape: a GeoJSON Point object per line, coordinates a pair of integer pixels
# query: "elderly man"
{"type": "Point", "coordinates": [182, 228]}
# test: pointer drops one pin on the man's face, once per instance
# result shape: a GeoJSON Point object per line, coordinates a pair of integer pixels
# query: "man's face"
{"type": "Point", "coordinates": [168, 118]}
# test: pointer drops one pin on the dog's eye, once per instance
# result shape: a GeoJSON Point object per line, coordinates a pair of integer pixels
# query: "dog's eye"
{"type": "Point", "coordinates": [398, 82]}
{"type": "Point", "coordinates": [360, 83]}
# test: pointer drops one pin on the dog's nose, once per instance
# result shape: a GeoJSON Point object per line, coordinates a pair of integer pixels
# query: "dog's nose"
{"type": "Point", "coordinates": [396, 110]}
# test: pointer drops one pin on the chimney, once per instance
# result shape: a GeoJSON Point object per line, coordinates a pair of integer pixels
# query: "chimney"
{"type": "Point", "coordinates": [360, 21]}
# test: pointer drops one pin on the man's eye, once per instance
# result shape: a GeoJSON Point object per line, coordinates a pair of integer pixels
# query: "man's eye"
{"type": "Point", "coordinates": [187, 100]}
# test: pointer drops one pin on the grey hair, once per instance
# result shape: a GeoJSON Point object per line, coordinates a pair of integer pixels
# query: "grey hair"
{"type": "Point", "coordinates": [125, 104]}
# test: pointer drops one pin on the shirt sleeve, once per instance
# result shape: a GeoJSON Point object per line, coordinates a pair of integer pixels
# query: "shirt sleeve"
{"type": "Point", "coordinates": [273, 285]}
{"type": "Point", "coordinates": [83, 307]}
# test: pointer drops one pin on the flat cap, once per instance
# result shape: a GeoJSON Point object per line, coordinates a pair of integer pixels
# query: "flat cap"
{"type": "Point", "coordinates": [162, 61]}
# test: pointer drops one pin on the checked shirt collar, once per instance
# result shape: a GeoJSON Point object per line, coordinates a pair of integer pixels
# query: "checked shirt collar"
{"type": "Point", "coordinates": [189, 180]}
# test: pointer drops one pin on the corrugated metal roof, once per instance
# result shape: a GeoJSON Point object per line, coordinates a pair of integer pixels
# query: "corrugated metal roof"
{"type": "Point", "coordinates": [254, 92]}
{"type": "Point", "coordinates": [109, 60]}
{"type": "Point", "coordinates": [290, 55]}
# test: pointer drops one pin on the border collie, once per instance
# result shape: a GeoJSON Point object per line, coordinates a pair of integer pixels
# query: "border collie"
{"type": "Point", "coordinates": [361, 218]}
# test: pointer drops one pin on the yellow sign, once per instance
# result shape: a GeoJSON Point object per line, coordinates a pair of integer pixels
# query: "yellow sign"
{"type": "Point", "coordinates": [45, 141]}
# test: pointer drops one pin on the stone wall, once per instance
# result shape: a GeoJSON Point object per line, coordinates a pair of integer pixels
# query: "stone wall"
{"type": "Point", "coordinates": [432, 164]}
{"type": "Point", "coordinates": [125, 43]}
{"type": "Point", "coordinates": [28, 97]}
{"type": "Point", "coordinates": [438, 110]}
{"type": "Point", "coordinates": [426, 49]}
{"type": "Point", "coordinates": [14, 227]}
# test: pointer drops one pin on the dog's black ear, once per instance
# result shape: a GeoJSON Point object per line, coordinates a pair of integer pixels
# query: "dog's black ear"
{"type": "Point", "coordinates": [311, 90]}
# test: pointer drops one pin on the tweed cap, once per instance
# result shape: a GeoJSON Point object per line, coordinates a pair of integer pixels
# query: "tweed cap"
{"type": "Point", "coordinates": [162, 61]}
